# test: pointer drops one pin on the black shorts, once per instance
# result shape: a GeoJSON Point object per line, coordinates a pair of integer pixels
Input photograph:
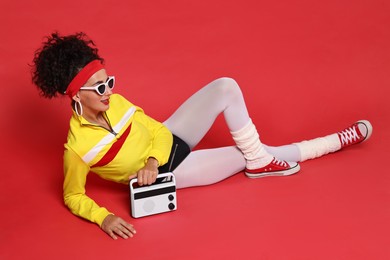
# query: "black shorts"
{"type": "Point", "coordinates": [179, 152]}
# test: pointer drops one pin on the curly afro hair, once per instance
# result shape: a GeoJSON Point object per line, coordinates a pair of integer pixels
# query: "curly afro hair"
{"type": "Point", "coordinates": [59, 60]}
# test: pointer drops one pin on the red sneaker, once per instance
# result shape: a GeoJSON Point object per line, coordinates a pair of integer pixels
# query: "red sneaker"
{"type": "Point", "coordinates": [356, 133]}
{"type": "Point", "coordinates": [274, 168]}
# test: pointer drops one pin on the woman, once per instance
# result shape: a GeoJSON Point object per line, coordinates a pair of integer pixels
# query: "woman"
{"type": "Point", "coordinates": [113, 138]}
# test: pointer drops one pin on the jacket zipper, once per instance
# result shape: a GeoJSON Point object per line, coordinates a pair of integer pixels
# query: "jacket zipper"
{"type": "Point", "coordinates": [110, 131]}
{"type": "Point", "coordinates": [109, 124]}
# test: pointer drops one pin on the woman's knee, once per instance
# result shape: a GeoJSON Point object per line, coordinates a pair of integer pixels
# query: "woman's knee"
{"type": "Point", "coordinates": [227, 86]}
{"type": "Point", "coordinates": [226, 81]}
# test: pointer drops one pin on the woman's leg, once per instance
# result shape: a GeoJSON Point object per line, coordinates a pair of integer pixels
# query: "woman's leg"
{"type": "Point", "coordinates": [288, 152]}
{"type": "Point", "coordinates": [314, 148]}
{"type": "Point", "coordinates": [204, 167]}
{"type": "Point", "coordinates": [198, 169]}
{"type": "Point", "coordinates": [194, 118]}
{"type": "Point", "coordinates": [355, 134]}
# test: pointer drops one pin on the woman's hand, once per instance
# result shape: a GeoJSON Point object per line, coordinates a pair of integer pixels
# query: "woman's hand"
{"type": "Point", "coordinates": [114, 226]}
{"type": "Point", "coordinates": [148, 174]}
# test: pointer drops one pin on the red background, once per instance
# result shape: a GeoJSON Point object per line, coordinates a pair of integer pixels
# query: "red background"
{"type": "Point", "coordinates": [307, 68]}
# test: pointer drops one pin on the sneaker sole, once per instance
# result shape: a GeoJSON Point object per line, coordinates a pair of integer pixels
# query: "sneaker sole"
{"type": "Point", "coordinates": [278, 173]}
{"type": "Point", "coordinates": [368, 126]}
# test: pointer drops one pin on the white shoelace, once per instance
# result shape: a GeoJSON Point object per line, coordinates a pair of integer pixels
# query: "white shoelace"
{"type": "Point", "coordinates": [349, 135]}
{"type": "Point", "coordinates": [279, 162]}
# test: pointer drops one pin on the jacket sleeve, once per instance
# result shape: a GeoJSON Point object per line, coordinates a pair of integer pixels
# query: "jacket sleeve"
{"type": "Point", "coordinates": [75, 175]}
{"type": "Point", "coordinates": [161, 139]}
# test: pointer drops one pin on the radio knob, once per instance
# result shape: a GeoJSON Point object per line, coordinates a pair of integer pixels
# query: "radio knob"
{"type": "Point", "coordinates": [171, 206]}
{"type": "Point", "coordinates": [171, 197]}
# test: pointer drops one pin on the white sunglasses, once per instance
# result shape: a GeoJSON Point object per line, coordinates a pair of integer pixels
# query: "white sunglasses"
{"type": "Point", "coordinates": [101, 87]}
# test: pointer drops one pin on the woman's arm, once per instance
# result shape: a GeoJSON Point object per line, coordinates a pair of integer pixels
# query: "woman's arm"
{"type": "Point", "coordinates": [162, 140]}
{"type": "Point", "coordinates": [80, 204]}
{"type": "Point", "coordinates": [75, 176]}
{"type": "Point", "coordinates": [159, 154]}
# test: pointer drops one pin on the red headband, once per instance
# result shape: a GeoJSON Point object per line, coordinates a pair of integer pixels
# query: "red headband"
{"type": "Point", "coordinates": [84, 74]}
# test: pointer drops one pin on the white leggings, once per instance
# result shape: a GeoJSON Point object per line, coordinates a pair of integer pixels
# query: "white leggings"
{"type": "Point", "coordinates": [193, 119]}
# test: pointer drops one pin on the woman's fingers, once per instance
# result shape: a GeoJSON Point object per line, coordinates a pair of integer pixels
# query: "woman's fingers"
{"type": "Point", "coordinates": [129, 227]}
{"type": "Point", "coordinates": [115, 226]}
{"type": "Point", "coordinates": [152, 177]}
{"type": "Point", "coordinates": [146, 177]}
{"type": "Point", "coordinates": [124, 230]}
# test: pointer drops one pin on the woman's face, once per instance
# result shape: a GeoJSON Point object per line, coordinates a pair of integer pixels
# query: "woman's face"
{"type": "Point", "coordinates": [92, 102]}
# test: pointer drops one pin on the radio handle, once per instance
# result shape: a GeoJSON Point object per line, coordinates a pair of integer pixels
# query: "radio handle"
{"type": "Point", "coordinates": [162, 175]}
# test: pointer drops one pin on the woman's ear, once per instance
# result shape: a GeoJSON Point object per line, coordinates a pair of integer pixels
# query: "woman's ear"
{"type": "Point", "coordinates": [76, 97]}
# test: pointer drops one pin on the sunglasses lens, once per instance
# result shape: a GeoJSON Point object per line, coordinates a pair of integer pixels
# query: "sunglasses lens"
{"type": "Point", "coordinates": [110, 83]}
{"type": "Point", "coordinates": [101, 89]}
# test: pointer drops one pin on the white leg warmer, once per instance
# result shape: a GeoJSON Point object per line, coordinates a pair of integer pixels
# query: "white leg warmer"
{"type": "Point", "coordinates": [248, 141]}
{"type": "Point", "coordinates": [319, 146]}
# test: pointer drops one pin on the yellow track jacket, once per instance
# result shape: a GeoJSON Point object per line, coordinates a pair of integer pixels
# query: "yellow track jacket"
{"type": "Point", "coordinates": [88, 143]}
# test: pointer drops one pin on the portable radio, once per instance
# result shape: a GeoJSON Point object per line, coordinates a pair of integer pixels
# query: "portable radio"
{"type": "Point", "coordinates": [156, 198]}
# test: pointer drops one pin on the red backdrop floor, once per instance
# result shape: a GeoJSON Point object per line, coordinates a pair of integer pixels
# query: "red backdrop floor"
{"type": "Point", "coordinates": [307, 68]}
